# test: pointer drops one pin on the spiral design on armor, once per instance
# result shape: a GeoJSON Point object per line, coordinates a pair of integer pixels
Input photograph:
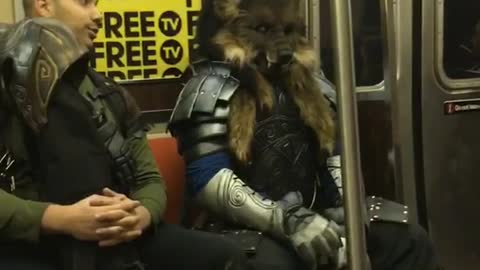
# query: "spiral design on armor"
{"type": "Point", "coordinates": [238, 196]}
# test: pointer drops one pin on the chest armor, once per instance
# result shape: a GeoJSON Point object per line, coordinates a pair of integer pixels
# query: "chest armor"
{"type": "Point", "coordinates": [284, 152]}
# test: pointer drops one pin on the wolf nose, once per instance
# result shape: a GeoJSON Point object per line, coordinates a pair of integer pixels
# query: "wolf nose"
{"type": "Point", "coordinates": [285, 56]}
{"type": "Point", "coordinates": [284, 52]}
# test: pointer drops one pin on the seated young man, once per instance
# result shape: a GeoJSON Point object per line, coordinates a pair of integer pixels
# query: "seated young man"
{"type": "Point", "coordinates": [79, 185]}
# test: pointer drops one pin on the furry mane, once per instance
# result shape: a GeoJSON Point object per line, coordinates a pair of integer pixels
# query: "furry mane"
{"type": "Point", "coordinates": [225, 34]}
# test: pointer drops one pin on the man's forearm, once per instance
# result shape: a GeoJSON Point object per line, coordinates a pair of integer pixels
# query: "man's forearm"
{"type": "Point", "coordinates": [54, 219]}
{"type": "Point", "coordinates": [20, 219]}
{"type": "Point", "coordinates": [154, 198]}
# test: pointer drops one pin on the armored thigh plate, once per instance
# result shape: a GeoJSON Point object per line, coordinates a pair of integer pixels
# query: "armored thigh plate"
{"type": "Point", "coordinates": [383, 210]}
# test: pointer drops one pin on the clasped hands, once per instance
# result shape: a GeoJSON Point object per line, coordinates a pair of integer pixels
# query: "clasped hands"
{"type": "Point", "coordinates": [109, 219]}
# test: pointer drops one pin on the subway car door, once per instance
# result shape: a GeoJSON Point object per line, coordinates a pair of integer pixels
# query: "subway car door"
{"type": "Point", "coordinates": [446, 91]}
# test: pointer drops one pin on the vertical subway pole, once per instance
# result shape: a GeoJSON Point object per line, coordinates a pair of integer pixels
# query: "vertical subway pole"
{"type": "Point", "coordinates": [347, 115]}
{"type": "Point", "coordinates": [312, 20]}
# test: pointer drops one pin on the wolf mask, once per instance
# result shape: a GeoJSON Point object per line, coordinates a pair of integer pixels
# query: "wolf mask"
{"type": "Point", "coordinates": [264, 42]}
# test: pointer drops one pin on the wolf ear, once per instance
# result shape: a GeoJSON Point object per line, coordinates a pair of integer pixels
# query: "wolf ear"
{"type": "Point", "coordinates": [301, 6]}
{"type": "Point", "coordinates": [226, 9]}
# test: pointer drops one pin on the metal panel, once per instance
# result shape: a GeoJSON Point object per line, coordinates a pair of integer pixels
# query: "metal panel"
{"type": "Point", "coordinates": [451, 151]}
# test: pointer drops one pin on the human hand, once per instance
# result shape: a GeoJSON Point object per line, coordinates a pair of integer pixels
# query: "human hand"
{"type": "Point", "coordinates": [120, 226]}
{"type": "Point", "coordinates": [80, 219]}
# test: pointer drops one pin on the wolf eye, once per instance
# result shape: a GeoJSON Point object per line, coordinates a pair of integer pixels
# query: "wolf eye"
{"type": "Point", "coordinates": [262, 28]}
{"type": "Point", "coordinates": [289, 28]}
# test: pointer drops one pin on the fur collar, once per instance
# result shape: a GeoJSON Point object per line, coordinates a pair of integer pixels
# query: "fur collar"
{"type": "Point", "coordinates": [304, 89]}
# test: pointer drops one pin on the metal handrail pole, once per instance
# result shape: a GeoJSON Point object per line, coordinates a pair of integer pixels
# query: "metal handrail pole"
{"type": "Point", "coordinates": [354, 198]}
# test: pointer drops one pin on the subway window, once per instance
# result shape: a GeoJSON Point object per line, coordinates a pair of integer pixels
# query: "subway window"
{"type": "Point", "coordinates": [461, 38]}
{"type": "Point", "coordinates": [367, 35]}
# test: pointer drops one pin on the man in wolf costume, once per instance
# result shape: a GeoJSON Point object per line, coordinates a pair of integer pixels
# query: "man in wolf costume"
{"type": "Point", "coordinates": [255, 127]}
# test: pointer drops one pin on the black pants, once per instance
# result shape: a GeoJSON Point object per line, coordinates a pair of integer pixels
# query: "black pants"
{"type": "Point", "coordinates": [172, 248]}
{"type": "Point", "coordinates": [391, 246]}
{"type": "Point", "coordinates": [395, 246]}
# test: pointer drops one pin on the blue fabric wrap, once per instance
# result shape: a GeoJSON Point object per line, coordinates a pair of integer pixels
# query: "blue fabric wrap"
{"type": "Point", "coordinates": [201, 171]}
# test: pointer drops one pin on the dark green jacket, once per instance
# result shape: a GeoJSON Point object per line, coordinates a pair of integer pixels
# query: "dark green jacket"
{"type": "Point", "coordinates": [20, 212]}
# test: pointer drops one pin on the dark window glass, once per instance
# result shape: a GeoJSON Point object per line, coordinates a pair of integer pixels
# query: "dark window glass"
{"type": "Point", "coordinates": [462, 38]}
{"type": "Point", "coordinates": [367, 34]}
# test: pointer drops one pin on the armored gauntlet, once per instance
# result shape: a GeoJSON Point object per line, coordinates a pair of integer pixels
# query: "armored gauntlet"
{"type": "Point", "coordinates": [314, 238]}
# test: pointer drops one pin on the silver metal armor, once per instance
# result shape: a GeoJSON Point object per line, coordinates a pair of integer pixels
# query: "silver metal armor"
{"type": "Point", "coordinates": [314, 238]}
{"type": "Point", "coordinates": [230, 197]}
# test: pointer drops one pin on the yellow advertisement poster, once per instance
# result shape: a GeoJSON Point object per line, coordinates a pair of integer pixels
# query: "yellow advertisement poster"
{"type": "Point", "coordinates": [145, 39]}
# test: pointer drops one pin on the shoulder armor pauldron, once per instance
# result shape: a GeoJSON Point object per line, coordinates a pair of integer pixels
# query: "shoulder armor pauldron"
{"type": "Point", "coordinates": [211, 83]}
{"type": "Point", "coordinates": [199, 120]}
{"type": "Point", "coordinates": [34, 55]}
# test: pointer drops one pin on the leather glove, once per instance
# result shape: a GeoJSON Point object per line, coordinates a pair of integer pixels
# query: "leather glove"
{"type": "Point", "coordinates": [314, 238]}
{"type": "Point", "coordinates": [338, 215]}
